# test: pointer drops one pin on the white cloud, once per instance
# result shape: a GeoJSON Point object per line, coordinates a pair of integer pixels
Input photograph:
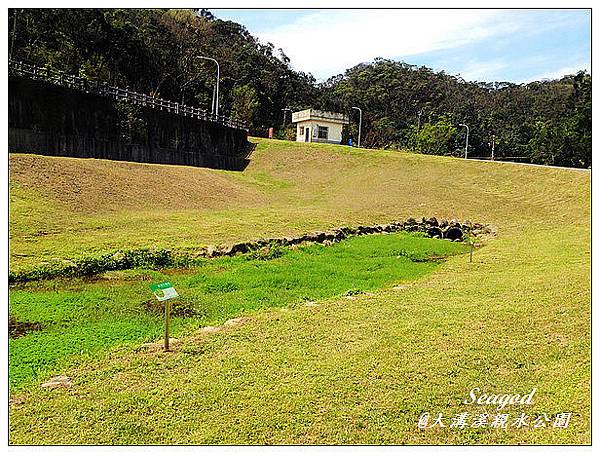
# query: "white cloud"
{"type": "Point", "coordinates": [560, 72]}
{"type": "Point", "coordinates": [327, 42]}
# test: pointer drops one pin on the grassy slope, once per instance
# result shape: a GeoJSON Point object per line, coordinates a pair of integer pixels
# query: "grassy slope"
{"type": "Point", "coordinates": [347, 371]}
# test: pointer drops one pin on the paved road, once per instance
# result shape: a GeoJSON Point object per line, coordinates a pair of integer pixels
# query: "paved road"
{"type": "Point", "coordinates": [532, 165]}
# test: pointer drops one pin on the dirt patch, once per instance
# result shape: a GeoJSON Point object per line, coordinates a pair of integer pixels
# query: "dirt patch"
{"type": "Point", "coordinates": [60, 381]}
{"type": "Point", "coordinates": [159, 345]}
{"type": "Point", "coordinates": [98, 186]}
{"type": "Point", "coordinates": [180, 307]}
{"type": "Point", "coordinates": [237, 321]}
{"type": "Point", "coordinates": [210, 329]}
{"type": "Point", "coordinates": [17, 400]}
{"type": "Point", "coordinates": [18, 328]}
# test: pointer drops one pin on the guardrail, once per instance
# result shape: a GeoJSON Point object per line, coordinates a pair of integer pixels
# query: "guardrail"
{"type": "Point", "coordinates": [64, 79]}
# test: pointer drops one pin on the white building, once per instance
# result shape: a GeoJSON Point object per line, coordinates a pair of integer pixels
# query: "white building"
{"type": "Point", "coordinates": [318, 126]}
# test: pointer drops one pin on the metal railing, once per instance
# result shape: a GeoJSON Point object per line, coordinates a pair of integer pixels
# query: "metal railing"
{"type": "Point", "coordinates": [64, 79]}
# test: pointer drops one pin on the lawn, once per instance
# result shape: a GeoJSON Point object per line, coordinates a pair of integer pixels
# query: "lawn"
{"type": "Point", "coordinates": [345, 370]}
{"type": "Point", "coordinates": [86, 319]}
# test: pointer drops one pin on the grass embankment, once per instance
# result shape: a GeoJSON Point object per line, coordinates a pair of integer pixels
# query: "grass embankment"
{"type": "Point", "coordinates": [345, 371]}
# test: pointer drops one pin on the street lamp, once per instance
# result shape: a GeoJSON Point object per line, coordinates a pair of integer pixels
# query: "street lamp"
{"type": "Point", "coordinates": [284, 111]}
{"type": "Point", "coordinates": [215, 101]}
{"type": "Point", "coordinates": [467, 140]}
{"type": "Point", "coordinates": [359, 123]}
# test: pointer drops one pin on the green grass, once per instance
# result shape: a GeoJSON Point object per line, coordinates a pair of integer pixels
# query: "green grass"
{"type": "Point", "coordinates": [345, 371]}
{"type": "Point", "coordinates": [86, 319]}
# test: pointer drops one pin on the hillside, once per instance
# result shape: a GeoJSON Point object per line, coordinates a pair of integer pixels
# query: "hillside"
{"type": "Point", "coordinates": [63, 207]}
{"type": "Point", "coordinates": [357, 370]}
{"type": "Point", "coordinates": [154, 51]}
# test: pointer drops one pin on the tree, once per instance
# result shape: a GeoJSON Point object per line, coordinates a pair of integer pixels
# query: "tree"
{"type": "Point", "coordinates": [244, 104]}
{"type": "Point", "coordinates": [154, 51]}
{"type": "Point", "coordinates": [434, 138]}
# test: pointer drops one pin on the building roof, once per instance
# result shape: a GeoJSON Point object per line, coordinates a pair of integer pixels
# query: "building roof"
{"type": "Point", "coordinates": [314, 114]}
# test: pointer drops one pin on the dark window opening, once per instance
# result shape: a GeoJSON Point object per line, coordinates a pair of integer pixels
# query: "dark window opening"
{"type": "Point", "coordinates": [323, 131]}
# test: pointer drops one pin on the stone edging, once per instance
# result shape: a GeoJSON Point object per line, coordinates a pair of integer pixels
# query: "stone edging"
{"type": "Point", "coordinates": [166, 258]}
{"type": "Point", "coordinates": [450, 230]}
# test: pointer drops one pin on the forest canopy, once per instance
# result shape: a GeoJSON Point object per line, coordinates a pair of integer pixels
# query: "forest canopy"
{"type": "Point", "coordinates": [156, 51]}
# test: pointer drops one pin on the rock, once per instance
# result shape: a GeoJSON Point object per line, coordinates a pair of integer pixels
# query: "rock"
{"type": "Point", "coordinates": [410, 221]}
{"type": "Point", "coordinates": [117, 256]}
{"type": "Point", "coordinates": [434, 232]}
{"type": "Point", "coordinates": [329, 235]}
{"type": "Point", "coordinates": [211, 251]}
{"type": "Point", "coordinates": [432, 222]}
{"type": "Point", "coordinates": [239, 248]}
{"type": "Point", "coordinates": [252, 245]}
{"type": "Point", "coordinates": [453, 233]}
{"type": "Point", "coordinates": [348, 230]}
{"type": "Point", "coordinates": [455, 223]}
{"type": "Point", "coordinates": [318, 237]}
{"type": "Point", "coordinates": [467, 224]}
{"type": "Point", "coordinates": [338, 234]}
{"type": "Point", "coordinates": [225, 250]}
{"type": "Point", "coordinates": [60, 381]}
{"type": "Point", "coordinates": [327, 243]}
{"type": "Point", "coordinates": [443, 223]}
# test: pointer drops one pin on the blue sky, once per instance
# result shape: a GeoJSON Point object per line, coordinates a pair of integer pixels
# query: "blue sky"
{"type": "Point", "coordinates": [484, 45]}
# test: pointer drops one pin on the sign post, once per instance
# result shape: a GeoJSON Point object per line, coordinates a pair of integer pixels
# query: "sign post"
{"type": "Point", "coordinates": [165, 292]}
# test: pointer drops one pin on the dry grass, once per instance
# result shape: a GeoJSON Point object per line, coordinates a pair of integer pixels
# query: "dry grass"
{"type": "Point", "coordinates": [61, 207]}
{"type": "Point", "coordinates": [350, 371]}
{"type": "Point", "coordinates": [93, 186]}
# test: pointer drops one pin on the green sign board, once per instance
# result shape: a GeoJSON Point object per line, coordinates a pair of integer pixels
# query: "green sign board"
{"type": "Point", "coordinates": [163, 291]}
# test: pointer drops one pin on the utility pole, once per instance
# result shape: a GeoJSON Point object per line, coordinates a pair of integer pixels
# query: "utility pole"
{"type": "Point", "coordinates": [12, 40]}
{"type": "Point", "coordinates": [419, 122]}
{"type": "Point", "coordinates": [493, 144]}
{"type": "Point", "coordinates": [359, 123]}
{"type": "Point", "coordinates": [467, 140]}
{"type": "Point", "coordinates": [215, 103]}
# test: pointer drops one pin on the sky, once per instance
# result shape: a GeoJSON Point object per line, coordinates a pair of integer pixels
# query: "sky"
{"type": "Point", "coordinates": [479, 45]}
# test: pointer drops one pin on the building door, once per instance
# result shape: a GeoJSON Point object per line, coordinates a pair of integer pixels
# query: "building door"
{"type": "Point", "coordinates": [307, 134]}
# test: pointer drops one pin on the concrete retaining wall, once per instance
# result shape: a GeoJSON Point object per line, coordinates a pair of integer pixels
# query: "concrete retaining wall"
{"type": "Point", "coordinates": [57, 121]}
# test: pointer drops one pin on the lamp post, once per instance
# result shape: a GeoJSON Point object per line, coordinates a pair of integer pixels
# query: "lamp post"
{"type": "Point", "coordinates": [467, 140]}
{"type": "Point", "coordinates": [285, 109]}
{"type": "Point", "coordinates": [359, 123]}
{"type": "Point", "coordinates": [215, 101]}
